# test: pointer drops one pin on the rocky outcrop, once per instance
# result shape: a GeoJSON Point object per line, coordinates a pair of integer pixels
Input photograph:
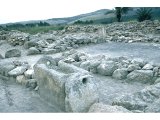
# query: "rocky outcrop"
{"type": "Point", "coordinates": [13, 53]}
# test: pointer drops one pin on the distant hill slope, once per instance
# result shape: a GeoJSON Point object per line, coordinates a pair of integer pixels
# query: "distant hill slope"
{"type": "Point", "coordinates": [55, 21]}
{"type": "Point", "coordinates": [99, 16]}
{"type": "Point", "coordinates": [75, 18]}
{"type": "Point", "coordinates": [109, 16]}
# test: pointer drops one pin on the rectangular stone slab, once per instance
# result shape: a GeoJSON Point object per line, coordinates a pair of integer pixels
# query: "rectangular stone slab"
{"type": "Point", "coordinates": [51, 85]}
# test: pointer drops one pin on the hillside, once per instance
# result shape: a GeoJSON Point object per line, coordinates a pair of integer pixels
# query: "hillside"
{"type": "Point", "coordinates": [66, 20]}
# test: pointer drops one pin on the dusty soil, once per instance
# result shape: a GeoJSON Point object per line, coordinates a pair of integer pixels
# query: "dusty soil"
{"type": "Point", "coordinates": [17, 98]}
{"type": "Point", "coordinates": [146, 51]}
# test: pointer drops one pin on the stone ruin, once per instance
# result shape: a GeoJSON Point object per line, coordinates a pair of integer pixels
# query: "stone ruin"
{"type": "Point", "coordinates": [71, 88]}
{"type": "Point", "coordinates": [68, 81]}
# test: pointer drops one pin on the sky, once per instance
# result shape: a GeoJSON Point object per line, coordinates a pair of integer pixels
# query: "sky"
{"type": "Point", "coordinates": [23, 10]}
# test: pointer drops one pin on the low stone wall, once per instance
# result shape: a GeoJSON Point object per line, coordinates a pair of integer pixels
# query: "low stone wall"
{"type": "Point", "coordinates": [20, 72]}
{"type": "Point", "coordinates": [120, 68]}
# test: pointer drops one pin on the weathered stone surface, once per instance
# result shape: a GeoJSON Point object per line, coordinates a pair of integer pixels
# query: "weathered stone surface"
{"type": "Point", "coordinates": [31, 83]}
{"type": "Point", "coordinates": [144, 76]}
{"type": "Point", "coordinates": [81, 93]}
{"type": "Point", "coordinates": [140, 100]}
{"type": "Point", "coordinates": [133, 67]}
{"type": "Point", "coordinates": [33, 51]}
{"type": "Point", "coordinates": [69, 87]}
{"type": "Point", "coordinates": [93, 65]}
{"type": "Point", "coordinates": [103, 108]}
{"type": "Point", "coordinates": [148, 67]}
{"type": "Point", "coordinates": [120, 73]}
{"type": "Point", "coordinates": [13, 53]}
{"type": "Point", "coordinates": [1, 57]}
{"type": "Point", "coordinates": [157, 81]}
{"type": "Point", "coordinates": [21, 80]}
{"type": "Point", "coordinates": [154, 107]}
{"type": "Point", "coordinates": [17, 71]}
{"type": "Point", "coordinates": [30, 44]}
{"type": "Point", "coordinates": [139, 62]}
{"type": "Point", "coordinates": [69, 60]}
{"type": "Point", "coordinates": [51, 85]}
{"type": "Point", "coordinates": [48, 61]}
{"type": "Point", "coordinates": [69, 68]}
{"type": "Point", "coordinates": [85, 65]}
{"type": "Point", "coordinates": [6, 67]}
{"type": "Point", "coordinates": [29, 73]}
{"type": "Point", "coordinates": [107, 68]}
{"type": "Point", "coordinates": [157, 30]}
{"type": "Point", "coordinates": [49, 51]}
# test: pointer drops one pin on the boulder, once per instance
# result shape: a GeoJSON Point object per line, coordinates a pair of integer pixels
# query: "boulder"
{"type": "Point", "coordinates": [31, 83]}
{"type": "Point", "coordinates": [143, 76]}
{"type": "Point", "coordinates": [139, 100]}
{"type": "Point", "coordinates": [139, 62]}
{"type": "Point", "coordinates": [147, 67]}
{"type": "Point", "coordinates": [48, 61]}
{"type": "Point", "coordinates": [6, 67]}
{"type": "Point", "coordinates": [13, 53]}
{"type": "Point", "coordinates": [103, 108]}
{"type": "Point", "coordinates": [155, 71]}
{"type": "Point", "coordinates": [29, 73]}
{"type": "Point", "coordinates": [133, 67]}
{"type": "Point", "coordinates": [157, 80]}
{"type": "Point", "coordinates": [107, 68]}
{"type": "Point", "coordinates": [1, 57]}
{"type": "Point", "coordinates": [93, 65]}
{"type": "Point", "coordinates": [69, 60]}
{"type": "Point", "coordinates": [49, 51]}
{"type": "Point", "coordinates": [81, 93]}
{"type": "Point", "coordinates": [85, 65]}
{"type": "Point", "coordinates": [33, 51]}
{"type": "Point", "coordinates": [21, 80]}
{"type": "Point", "coordinates": [18, 71]}
{"type": "Point", "coordinates": [157, 30]}
{"type": "Point", "coordinates": [30, 44]}
{"type": "Point", "coordinates": [120, 73]}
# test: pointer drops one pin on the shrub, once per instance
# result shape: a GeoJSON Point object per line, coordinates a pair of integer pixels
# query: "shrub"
{"type": "Point", "coordinates": [84, 22]}
{"type": "Point", "coordinates": [144, 14]}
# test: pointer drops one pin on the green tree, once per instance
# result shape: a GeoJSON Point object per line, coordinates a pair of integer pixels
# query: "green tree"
{"type": "Point", "coordinates": [144, 14]}
{"type": "Point", "coordinates": [119, 11]}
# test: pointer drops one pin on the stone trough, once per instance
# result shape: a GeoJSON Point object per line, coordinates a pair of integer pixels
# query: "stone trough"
{"type": "Point", "coordinates": [71, 88]}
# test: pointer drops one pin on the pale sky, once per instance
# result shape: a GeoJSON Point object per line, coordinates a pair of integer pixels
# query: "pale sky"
{"type": "Point", "coordinates": [22, 10]}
